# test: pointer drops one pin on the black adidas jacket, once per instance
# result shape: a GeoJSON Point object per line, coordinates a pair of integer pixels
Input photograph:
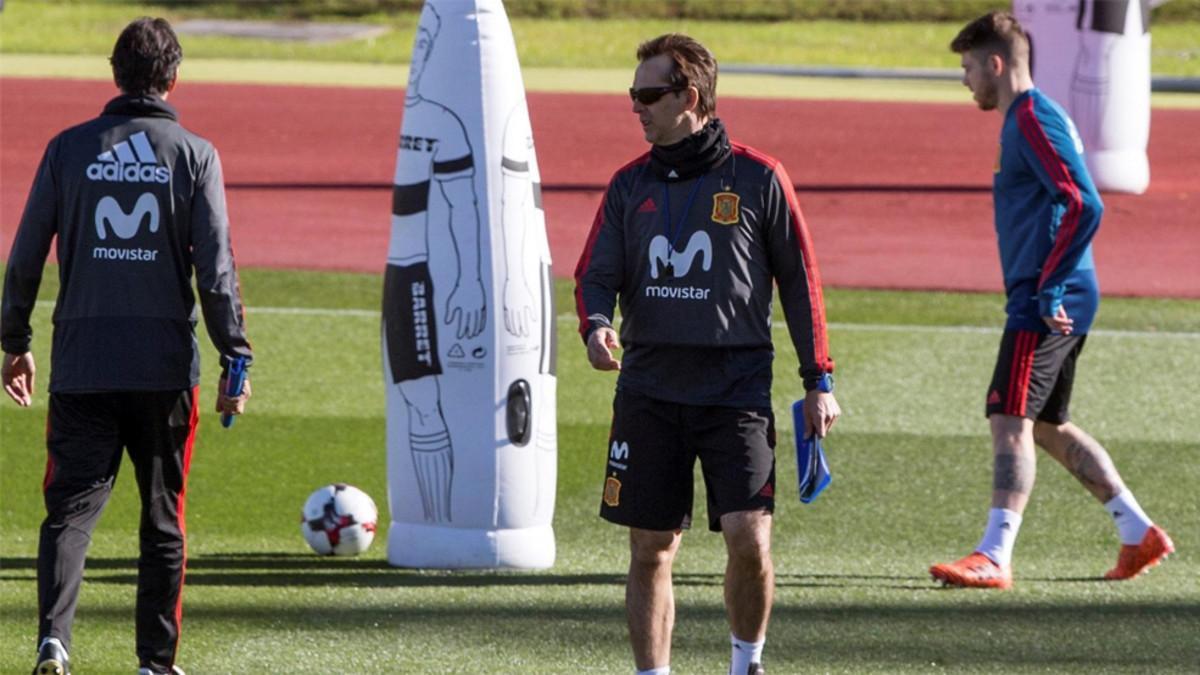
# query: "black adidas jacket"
{"type": "Point", "coordinates": [695, 296]}
{"type": "Point", "coordinates": [137, 203]}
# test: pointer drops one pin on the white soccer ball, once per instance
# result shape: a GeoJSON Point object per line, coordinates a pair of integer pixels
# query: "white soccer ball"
{"type": "Point", "coordinates": [339, 519]}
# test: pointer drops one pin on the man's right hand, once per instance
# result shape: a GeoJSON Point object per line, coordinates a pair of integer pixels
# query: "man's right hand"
{"type": "Point", "coordinates": [232, 405]}
{"type": "Point", "coordinates": [599, 349]}
{"type": "Point", "coordinates": [18, 372]}
{"type": "Point", "coordinates": [1060, 322]}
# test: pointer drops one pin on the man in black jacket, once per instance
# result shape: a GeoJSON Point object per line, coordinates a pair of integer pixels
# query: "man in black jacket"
{"type": "Point", "coordinates": [691, 239]}
{"type": "Point", "coordinates": [135, 204]}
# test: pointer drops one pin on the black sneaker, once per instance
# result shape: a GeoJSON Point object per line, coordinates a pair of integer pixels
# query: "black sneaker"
{"type": "Point", "coordinates": [756, 669]}
{"type": "Point", "coordinates": [52, 659]}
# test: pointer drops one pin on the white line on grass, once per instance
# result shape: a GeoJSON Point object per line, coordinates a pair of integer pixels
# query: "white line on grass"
{"type": "Point", "coordinates": [853, 327]}
{"type": "Point", "coordinates": [850, 327]}
{"type": "Point", "coordinates": [983, 330]}
{"type": "Point", "coordinates": [990, 330]}
{"type": "Point", "coordinates": [315, 311]}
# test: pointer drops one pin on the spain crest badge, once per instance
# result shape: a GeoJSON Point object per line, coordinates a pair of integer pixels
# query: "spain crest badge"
{"type": "Point", "coordinates": [725, 208]}
{"type": "Point", "coordinates": [612, 491]}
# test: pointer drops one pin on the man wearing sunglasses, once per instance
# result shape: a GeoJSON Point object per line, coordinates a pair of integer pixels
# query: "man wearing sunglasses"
{"type": "Point", "coordinates": [690, 239]}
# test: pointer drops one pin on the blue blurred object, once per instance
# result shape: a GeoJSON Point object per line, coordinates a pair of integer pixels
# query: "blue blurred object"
{"type": "Point", "coordinates": [233, 386]}
{"type": "Point", "coordinates": [812, 471]}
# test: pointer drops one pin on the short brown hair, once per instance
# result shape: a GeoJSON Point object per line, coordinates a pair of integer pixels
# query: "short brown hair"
{"type": "Point", "coordinates": [693, 65]}
{"type": "Point", "coordinates": [996, 33]}
{"type": "Point", "coordinates": [146, 57]}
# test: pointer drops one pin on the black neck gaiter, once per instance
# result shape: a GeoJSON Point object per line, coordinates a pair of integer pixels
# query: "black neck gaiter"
{"type": "Point", "coordinates": [693, 156]}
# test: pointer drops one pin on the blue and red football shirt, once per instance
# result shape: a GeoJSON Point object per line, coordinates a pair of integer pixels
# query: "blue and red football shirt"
{"type": "Point", "coordinates": [1047, 212]}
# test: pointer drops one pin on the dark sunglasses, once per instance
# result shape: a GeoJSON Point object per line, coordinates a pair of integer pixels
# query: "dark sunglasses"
{"type": "Point", "coordinates": [649, 95]}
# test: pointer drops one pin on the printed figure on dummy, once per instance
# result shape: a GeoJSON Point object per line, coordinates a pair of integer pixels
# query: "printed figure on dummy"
{"type": "Point", "coordinates": [410, 325]}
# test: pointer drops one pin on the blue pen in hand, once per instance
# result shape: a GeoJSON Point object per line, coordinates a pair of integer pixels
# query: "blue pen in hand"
{"type": "Point", "coordinates": [236, 379]}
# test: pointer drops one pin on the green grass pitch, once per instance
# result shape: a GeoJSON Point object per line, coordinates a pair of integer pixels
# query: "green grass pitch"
{"type": "Point", "coordinates": [911, 478]}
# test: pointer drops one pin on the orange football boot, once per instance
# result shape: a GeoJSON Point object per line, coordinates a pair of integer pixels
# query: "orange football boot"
{"type": "Point", "coordinates": [1133, 560]}
{"type": "Point", "coordinates": [974, 571]}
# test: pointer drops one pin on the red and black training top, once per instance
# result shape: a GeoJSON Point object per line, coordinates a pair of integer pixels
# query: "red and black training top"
{"type": "Point", "coordinates": [692, 261]}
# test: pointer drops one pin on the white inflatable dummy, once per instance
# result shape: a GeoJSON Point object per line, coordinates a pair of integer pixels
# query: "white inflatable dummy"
{"type": "Point", "coordinates": [468, 322]}
{"type": "Point", "coordinates": [1093, 57]}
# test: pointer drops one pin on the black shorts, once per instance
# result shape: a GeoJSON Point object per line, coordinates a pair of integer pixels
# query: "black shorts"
{"type": "Point", "coordinates": [652, 451]}
{"type": "Point", "coordinates": [409, 322]}
{"type": "Point", "coordinates": [1034, 376]}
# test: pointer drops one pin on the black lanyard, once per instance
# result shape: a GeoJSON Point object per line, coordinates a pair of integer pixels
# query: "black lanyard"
{"type": "Point", "coordinates": [673, 234]}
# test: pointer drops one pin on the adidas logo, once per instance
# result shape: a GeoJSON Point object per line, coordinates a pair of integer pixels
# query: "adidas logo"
{"type": "Point", "coordinates": [647, 206]}
{"type": "Point", "coordinates": [993, 398]}
{"type": "Point", "coordinates": [130, 161]}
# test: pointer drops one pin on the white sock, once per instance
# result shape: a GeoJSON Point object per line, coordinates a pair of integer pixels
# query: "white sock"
{"type": "Point", "coordinates": [51, 639]}
{"type": "Point", "coordinates": [744, 653]}
{"type": "Point", "coordinates": [1132, 522]}
{"type": "Point", "coordinates": [661, 670]}
{"type": "Point", "coordinates": [1000, 536]}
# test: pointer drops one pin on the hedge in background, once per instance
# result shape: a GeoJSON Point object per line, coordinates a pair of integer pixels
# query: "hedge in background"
{"type": "Point", "coordinates": [742, 10]}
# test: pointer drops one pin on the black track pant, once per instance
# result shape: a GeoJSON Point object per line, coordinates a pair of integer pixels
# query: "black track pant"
{"type": "Point", "coordinates": [85, 435]}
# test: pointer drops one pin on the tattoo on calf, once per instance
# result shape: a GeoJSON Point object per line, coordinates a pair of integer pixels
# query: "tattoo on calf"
{"type": "Point", "coordinates": [1091, 466]}
{"type": "Point", "coordinates": [1012, 474]}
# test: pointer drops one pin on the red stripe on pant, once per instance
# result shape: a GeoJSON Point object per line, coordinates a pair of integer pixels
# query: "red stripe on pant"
{"type": "Point", "coordinates": [181, 505]}
{"type": "Point", "coordinates": [49, 475]}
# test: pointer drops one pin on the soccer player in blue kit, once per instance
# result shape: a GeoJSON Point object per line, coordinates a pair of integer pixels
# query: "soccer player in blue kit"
{"type": "Point", "coordinates": [1047, 212]}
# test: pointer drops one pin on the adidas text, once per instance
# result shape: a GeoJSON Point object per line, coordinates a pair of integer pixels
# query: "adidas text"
{"type": "Point", "coordinates": [113, 172]}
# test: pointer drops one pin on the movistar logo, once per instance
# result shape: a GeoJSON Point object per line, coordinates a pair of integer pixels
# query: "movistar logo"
{"type": "Point", "coordinates": [618, 455]}
{"type": "Point", "coordinates": [109, 214]}
{"type": "Point", "coordinates": [663, 257]}
{"type": "Point", "coordinates": [130, 161]}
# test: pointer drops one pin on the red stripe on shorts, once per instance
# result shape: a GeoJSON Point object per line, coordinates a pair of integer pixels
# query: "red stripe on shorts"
{"type": "Point", "coordinates": [1022, 371]}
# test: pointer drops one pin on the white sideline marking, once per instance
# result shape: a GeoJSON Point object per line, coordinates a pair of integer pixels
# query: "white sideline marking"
{"type": "Point", "coordinates": [891, 328]}
{"type": "Point", "coordinates": [983, 330]}
{"type": "Point", "coordinates": [299, 311]}
{"type": "Point", "coordinates": [315, 311]}
{"type": "Point", "coordinates": [849, 327]}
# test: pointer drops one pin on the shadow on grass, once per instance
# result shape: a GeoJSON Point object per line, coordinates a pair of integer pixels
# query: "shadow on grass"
{"type": "Point", "coordinates": [1098, 579]}
{"type": "Point", "coordinates": [861, 636]}
{"type": "Point", "coordinates": [955, 630]}
{"type": "Point", "coordinates": [306, 570]}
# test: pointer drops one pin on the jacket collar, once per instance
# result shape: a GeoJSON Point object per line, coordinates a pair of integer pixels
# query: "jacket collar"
{"type": "Point", "coordinates": [140, 105]}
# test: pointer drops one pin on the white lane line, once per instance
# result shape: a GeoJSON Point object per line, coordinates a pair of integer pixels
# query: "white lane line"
{"type": "Point", "coordinates": [849, 327]}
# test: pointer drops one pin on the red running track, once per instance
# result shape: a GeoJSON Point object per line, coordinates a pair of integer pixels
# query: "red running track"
{"type": "Point", "coordinates": [897, 195]}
